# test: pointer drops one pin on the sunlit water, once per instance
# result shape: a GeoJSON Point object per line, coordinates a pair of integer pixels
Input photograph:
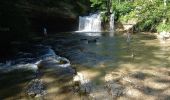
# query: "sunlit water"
{"type": "Point", "coordinates": [94, 57]}
{"type": "Point", "coordinates": [91, 23]}
{"type": "Point", "coordinates": [114, 50]}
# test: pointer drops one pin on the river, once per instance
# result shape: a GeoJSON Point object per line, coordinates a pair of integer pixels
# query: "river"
{"type": "Point", "coordinates": [138, 68]}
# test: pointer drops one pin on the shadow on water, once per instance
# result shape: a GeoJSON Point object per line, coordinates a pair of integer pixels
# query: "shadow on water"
{"type": "Point", "coordinates": [143, 53]}
{"type": "Point", "coordinates": [116, 50]}
{"type": "Point", "coordinates": [12, 84]}
{"type": "Point", "coordinates": [110, 55]}
{"type": "Point", "coordinates": [140, 68]}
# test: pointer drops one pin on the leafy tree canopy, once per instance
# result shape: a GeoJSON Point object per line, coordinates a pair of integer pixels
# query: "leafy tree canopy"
{"type": "Point", "coordinates": [151, 15]}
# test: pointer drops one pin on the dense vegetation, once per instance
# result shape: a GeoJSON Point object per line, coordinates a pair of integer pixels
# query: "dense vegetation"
{"type": "Point", "coordinates": [151, 15]}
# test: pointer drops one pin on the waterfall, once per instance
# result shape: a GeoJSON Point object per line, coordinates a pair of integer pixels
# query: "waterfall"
{"type": "Point", "coordinates": [112, 22]}
{"type": "Point", "coordinates": [90, 23]}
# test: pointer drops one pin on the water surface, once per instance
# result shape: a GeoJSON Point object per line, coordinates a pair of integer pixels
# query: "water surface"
{"type": "Point", "coordinates": [96, 57]}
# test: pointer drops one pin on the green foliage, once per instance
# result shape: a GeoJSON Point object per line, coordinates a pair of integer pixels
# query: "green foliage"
{"type": "Point", "coordinates": [104, 17]}
{"type": "Point", "coordinates": [104, 6]}
{"type": "Point", "coordinates": [128, 17]}
{"type": "Point", "coordinates": [98, 4]}
{"type": "Point", "coordinates": [149, 13]}
{"type": "Point", "coordinates": [163, 27]}
{"type": "Point", "coordinates": [123, 8]}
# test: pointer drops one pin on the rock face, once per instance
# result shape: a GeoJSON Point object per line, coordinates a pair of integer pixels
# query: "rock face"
{"type": "Point", "coordinates": [57, 17]}
{"type": "Point", "coordinates": [29, 17]}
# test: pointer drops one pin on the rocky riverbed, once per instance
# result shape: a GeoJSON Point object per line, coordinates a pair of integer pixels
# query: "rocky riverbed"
{"type": "Point", "coordinates": [71, 67]}
{"type": "Point", "coordinates": [128, 83]}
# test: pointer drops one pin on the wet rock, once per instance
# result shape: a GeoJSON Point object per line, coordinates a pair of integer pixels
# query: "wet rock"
{"type": "Point", "coordinates": [135, 93]}
{"type": "Point", "coordinates": [113, 76]}
{"type": "Point", "coordinates": [84, 84]}
{"type": "Point", "coordinates": [61, 70]}
{"type": "Point", "coordinates": [115, 89]}
{"type": "Point", "coordinates": [28, 59]}
{"type": "Point", "coordinates": [83, 39]}
{"type": "Point", "coordinates": [93, 40]}
{"type": "Point", "coordinates": [54, 63]}
{"type": "Point", "coordinates": [36, 88]}
{"type": "Point", "coordinates": [100, 93]}
{"type": "Point", "coordinates": [138, 75]}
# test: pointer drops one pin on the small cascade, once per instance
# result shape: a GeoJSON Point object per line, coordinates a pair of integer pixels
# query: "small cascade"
{"type": "Point", "coordinates": [112, 22]}
{"type": "Point", "coordinates": [90, 23]}
{"type": "Point", "coordinates": [31, 60]}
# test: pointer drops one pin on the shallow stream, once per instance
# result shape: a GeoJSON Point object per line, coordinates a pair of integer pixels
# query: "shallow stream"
{"type": "Point", "coordinates": [99, 59]}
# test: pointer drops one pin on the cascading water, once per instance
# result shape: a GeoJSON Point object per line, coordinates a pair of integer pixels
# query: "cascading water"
{"type": "Point", "coordinates": [31, 60]}
{"type": "Point", "coordinates": [112, 22]}
{"type": "Point", "coordinates": [90, 23]}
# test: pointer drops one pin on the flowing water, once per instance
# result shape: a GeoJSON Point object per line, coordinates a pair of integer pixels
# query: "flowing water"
{"type": "Point", "coordinates": [112, 22]}
{"type": "Point", "coordinates": [90, 23]}
{"type": "Point", "coordinates": [96, 58]}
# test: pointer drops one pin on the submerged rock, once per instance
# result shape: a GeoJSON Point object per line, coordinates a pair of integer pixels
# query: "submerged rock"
{"type": "Point", "coordinates": [100, 93]}
{"type": "Point", "coordinates": [114, 89]}
{"type": "Point", "coordinates": [54, 63]}
{"type": "Point", "coordinates": [36, 88]}
{"type": "Point", "coordinates": [61, 70]}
